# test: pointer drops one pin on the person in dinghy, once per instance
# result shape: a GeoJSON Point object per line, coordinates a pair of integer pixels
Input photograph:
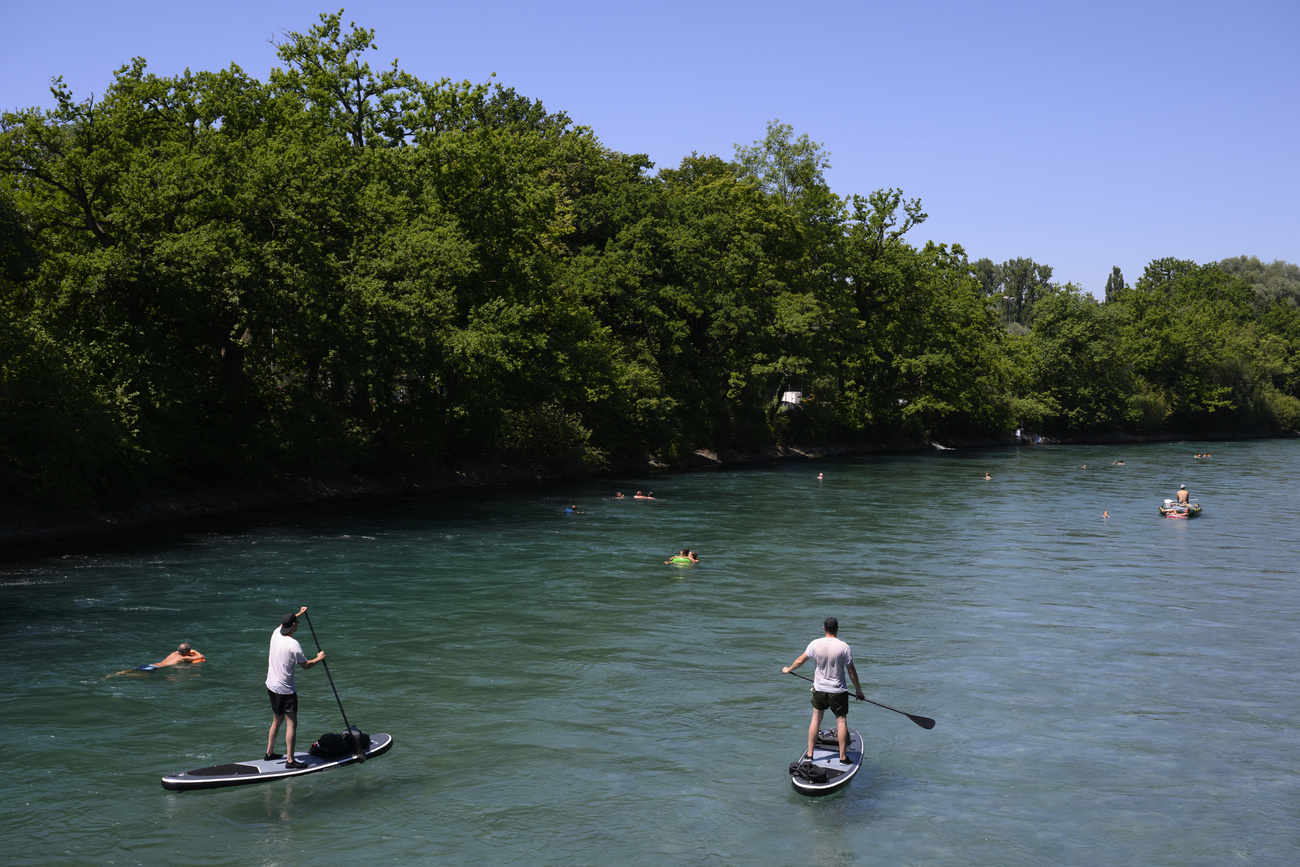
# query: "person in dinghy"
{"type": "Point", "coordinates": [834, 659]}
{"type": "Point", "coordinates": [286, 652]}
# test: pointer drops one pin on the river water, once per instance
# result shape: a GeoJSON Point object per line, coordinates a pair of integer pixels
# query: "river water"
{"type": "Point", "coordinates": [1108, 690]}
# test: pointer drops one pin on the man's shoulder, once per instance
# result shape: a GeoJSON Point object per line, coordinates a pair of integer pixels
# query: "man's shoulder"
{"type": "Point", "coordinates": [828, 643]}
{"type": "Point", "coordinates": [283, 640]}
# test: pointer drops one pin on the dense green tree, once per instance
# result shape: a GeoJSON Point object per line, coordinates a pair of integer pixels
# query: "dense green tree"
{"type": "Point", "coordinates": [1077, 365]}
{"type": "Point", "coordinates": [1195, 343]}
{"type": "Point", "coordinates": [207, 277]}
{"type": "Point", "coordinates": [989, 276]}
{"type": "Point", "coordinates": [1114, 284]}
{"type": "Point", "coordinates": [1277, 281]}
{"type": "Point", "coordinates": [1024, 282]}
{"type": "Point", "coordinates": [925, 358]}
{"type": "Point", "coordinates": [784, 166]}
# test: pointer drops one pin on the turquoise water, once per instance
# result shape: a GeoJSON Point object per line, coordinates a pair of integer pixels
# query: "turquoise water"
{"type": "Point", "coordinates": [1117, 690]}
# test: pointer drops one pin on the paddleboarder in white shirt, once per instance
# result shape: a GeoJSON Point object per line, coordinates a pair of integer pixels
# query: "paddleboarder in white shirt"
{"type": "Point", "coordinates": [833, 658]}
{"type": "Point", "coordinates": [286, 652]}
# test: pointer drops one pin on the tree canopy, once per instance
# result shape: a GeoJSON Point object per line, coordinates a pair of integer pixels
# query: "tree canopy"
{"type": "Point", "coordinates": [209, 277]}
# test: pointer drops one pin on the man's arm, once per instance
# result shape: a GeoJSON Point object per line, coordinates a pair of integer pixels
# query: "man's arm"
{"type": "Point", "coordinates": [310, 662]}
{"type": "Point", "coordinates": [853, 673]}
{"type": "Point", "coordinates": [803, 657]}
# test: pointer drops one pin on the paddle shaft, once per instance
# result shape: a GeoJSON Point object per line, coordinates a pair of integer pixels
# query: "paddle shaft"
{"type": "Point", "coordinates": [346, 727]}
{"type": "Point", "coordinates": [923, 721]}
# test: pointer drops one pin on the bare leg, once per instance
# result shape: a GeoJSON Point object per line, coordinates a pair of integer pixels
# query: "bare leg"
{"type": "Point", "coordinates": [275, 730]}
{"type": "Point", "coordinates": [842, 729]}
{"type": "Point", "coordinates": [288, 735]}
{"type": "Point", "coordinates": [812, 731]}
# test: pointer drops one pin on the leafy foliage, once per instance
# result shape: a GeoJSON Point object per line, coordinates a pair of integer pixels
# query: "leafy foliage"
{"type": "Point", "coordinates": [209, 277]}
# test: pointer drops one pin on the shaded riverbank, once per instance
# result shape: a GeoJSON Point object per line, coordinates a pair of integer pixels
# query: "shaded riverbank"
{"type": "Point", "coordinates": [35, 534]}
{"type": "Point", "coordinates": [38, 535]}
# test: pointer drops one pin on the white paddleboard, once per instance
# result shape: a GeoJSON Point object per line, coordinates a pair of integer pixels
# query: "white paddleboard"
{"type": "Point", "coordinates": [826, 756]}
{"type": "Point", "coordinates": [262, 771]}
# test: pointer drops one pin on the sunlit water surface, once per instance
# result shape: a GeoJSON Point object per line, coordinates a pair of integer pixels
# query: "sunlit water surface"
{"type": "Point", "coordinates": [1118, 690]}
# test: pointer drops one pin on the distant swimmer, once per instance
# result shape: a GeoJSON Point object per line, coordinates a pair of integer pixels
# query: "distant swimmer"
{"type": "Point", "coordinates": [987, 477]}
{"type": "Point", "coordinates": [618, 495]}
{"type": "Point", "coordinates": [681, 559]}
{"type": "Point", "coordinates": [695, 558]}
{"type": "Point", "coordinates": [571, 510]}
{"type": "Point", "coordinates": [1105, 514]}
{"type": "Point", "coordinates": [1201, 456]}
{"type": "Point", "coordinates": [184, 653]}
{"type": "Point", "coordinates": [1117, 463]}
{"type": "Point", "coordinates": [641, 496]}
{"type": "Point", "coordinates": [819, 477]}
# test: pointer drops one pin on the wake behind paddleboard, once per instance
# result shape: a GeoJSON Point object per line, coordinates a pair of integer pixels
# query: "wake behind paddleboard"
{"type": "Point", "coordinates": [261, 771]}
{"type": "Point", "coordinates": [826, 759]}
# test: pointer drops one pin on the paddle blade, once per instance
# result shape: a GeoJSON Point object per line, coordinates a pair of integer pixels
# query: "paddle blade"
{"type": "Point", "coordinates": [923, 721]}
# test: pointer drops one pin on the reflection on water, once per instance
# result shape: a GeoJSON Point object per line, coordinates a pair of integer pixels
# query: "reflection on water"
{"type": "Point", "coordinates": [1117, 689]}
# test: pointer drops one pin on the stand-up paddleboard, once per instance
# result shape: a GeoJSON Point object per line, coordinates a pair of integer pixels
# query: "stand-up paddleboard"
{"type": "Point", "coordinates": [823, 774]}
{"type": "Point", "coordinates": [261, 771]}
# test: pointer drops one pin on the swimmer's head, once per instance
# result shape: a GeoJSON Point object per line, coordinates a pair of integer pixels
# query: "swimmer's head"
{"type": "Point", "coordinates": [184, 648]}
{"type": "Point", "coordinates": [831, 625]}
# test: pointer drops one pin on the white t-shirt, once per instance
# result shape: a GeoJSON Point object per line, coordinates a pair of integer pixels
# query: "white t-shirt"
{"type": "Point", "coordinates": [832, 657]}
{"type": "Point", "coordinates": [286, 652]}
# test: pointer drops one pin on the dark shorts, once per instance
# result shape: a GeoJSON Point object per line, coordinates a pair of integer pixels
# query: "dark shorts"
{"type": "Point", "coordinates": [837, 702]}
{"type": "Point", "coordinates": [283, 704]}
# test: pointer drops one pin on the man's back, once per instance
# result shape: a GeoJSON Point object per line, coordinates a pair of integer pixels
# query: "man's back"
{"type": "Point", "coordinates": [832, 657]}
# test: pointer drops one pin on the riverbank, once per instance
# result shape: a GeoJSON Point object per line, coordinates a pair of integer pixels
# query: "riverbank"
{"type": "Point", "coordinates": [37, 536]}
{"type": "Point", "coordinates": [179, 510]}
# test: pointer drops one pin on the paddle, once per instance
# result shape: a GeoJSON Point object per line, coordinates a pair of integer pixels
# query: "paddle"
{"type": "Point", "coordinates": [923, 721]}
{"type": "Point", "coordinates": [361, 753]}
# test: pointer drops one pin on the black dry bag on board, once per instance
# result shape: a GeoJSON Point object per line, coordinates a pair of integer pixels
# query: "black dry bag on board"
{"type": "Point", "coordinates": [337, 746]}
{"type": "Point", "coordinates": [808, 772]}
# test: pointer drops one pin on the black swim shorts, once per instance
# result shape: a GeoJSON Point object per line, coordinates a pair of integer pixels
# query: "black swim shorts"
{"type": "Point", "coordinates": [838, 702]}
{"type": "Point", "coordinates": [283, 704]}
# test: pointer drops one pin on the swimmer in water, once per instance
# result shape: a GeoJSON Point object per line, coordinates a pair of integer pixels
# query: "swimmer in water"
{"type": "Point", "coordinates": [641, 496]}
{"type": "Point", "coordinates": [987, 477]}
{"type": "Point", "coordinates": [678, 559]}
{"type": "Point", "coordinates": [184, 653]}
{"type": "Point", "coordinates": [618, 495]}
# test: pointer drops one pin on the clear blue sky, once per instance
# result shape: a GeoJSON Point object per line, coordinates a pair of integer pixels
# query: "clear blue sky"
{"type": "Point", "coordinates": [1081, 135]}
